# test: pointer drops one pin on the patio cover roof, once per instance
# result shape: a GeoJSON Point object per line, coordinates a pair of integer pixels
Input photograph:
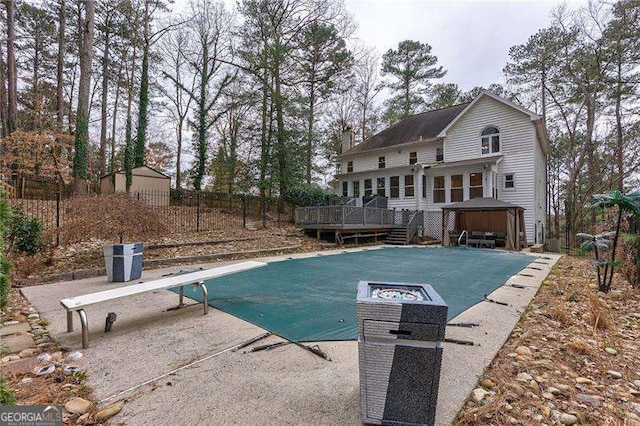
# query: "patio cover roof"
{"type": "Point", "coordinates": [485, 203]}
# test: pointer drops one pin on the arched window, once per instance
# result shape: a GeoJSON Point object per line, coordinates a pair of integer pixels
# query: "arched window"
{"type": "Point", "coordinates": [490, 140]}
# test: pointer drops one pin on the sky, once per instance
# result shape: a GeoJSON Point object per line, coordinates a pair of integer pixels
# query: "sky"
{"type": "Point", "coordinates": [470, 38]}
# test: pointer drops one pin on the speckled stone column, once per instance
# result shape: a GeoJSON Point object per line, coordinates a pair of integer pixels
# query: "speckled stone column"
{"type": "Point", "coordinates": [399, 353]}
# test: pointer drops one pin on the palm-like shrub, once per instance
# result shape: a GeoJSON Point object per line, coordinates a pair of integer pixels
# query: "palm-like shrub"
{"type": "Point", "coordinates": [600, 243]}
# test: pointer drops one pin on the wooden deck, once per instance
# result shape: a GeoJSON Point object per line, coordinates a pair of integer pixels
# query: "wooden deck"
{"type": "Point", "coordinates": [350, 219]}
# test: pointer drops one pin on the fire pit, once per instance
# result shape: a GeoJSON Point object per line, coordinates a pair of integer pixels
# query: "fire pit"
{"type": "Point", "coordinates": [400, 332]}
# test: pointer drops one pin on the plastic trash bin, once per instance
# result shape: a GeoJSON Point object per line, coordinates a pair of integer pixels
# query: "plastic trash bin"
{"type": "Point", "coordinates": [401, 330]}
{"type": "Point", "coordinates": [123, 262]}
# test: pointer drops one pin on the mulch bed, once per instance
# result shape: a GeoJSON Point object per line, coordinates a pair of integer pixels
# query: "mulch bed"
{"type": "Point", "coordinates": [573, 358]}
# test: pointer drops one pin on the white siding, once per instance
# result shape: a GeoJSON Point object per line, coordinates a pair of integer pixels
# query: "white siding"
{"type": "Point", "coordinates": [516, 145]}
{"type": "Point", "coordinates": [541, 191]}
{"type": "Point", "coordinates": [394, 157]}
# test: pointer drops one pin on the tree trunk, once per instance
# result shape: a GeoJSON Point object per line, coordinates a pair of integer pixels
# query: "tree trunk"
{"type": "Point", "coordinates": [201, 147]}
{"type": "Point", "coordinates": [12, 99]}
{"type": "Point", "coordinates": [82, 122]}
{"type": "Point", "coordinates": [312, 100]}
{"type": "Point", "coordinates": [591, 166]}
{"type": "Point", "coordinates": [619, 134]}
{"type": "Point", "coordinates": [3, 101]}
{"type": "Point", "coordinates": [60, 67]}
{"type": "Point", "coordinates": [103, 102]}
{"type": "Point", "coordinates": [114, 118]}
{"type": "Point", "coordinates": [141, 134]}
{"type": "Point", "coordinates": [179, 154]}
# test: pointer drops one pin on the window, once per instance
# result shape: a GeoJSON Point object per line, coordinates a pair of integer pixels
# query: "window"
{"type": "Point", "coordinates": [413, 157]}
{"type": "Point", "coordinates": [380, 187]}
{"type": "Point", "coordinates": [394, 186]}
{"type": "Point", "coordinates": [475, 185]}
{"type": "Point", "coordinates": [349, 166]}
{"type": "Point", "coordinates": [490, 140]}
{"type": "Point", "coordinates": [424, 186]}
{"type": "Point", "coordinates": [367, 188]}
{"type": "Point", "coordinates": [381, 162]}
{"type": "Point", "coordinates": [509, 181]}
{"type": "Point", "coordinates": [438, 189]}
{"type": "Point", "coordinates": [356, 188]}
{"type": "Point", "coordinates": [408, 186]}
{"type": "Point", "coordinates": [345, 189]}
{"type": "Point", "coordinates": [457, 190]}
{"type": "Point", "coordinates": [439, 154]}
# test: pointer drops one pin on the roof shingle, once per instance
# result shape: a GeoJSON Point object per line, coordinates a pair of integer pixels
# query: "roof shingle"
{"type": "Point", "coordinates": [426, 125]}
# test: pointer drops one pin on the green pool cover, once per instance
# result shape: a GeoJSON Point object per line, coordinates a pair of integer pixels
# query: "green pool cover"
{"type": "Point", "coordinates": [314, 299]}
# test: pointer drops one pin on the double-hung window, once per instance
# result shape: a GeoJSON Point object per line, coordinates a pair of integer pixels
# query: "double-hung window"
{"type": "Point", "coordinates": [475, 185]}
{"type": "Point", "coordinates": [438, 189]}
{"type": "Point", "coordinates": [408, 186]}
{"type": "Point", "coordinates": [394, 186]}
{"type": "Point", "coordinates": [457, 188]}
{"type": "Point", "coordinates": [490, 140]}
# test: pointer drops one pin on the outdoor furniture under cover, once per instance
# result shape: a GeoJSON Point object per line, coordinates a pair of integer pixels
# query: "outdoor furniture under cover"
{"type": "Point", "coordinates": [487, 215]}
{"type": "Point", "coordinates": [79, 303]}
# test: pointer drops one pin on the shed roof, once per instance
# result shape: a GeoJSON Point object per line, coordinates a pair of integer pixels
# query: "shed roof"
{"type": "Point", "coordinates": [144, 166]}
{"type": "Point", "coordinates": [485, 203]}
{"type": "Point", "coordinates": [426, 125]}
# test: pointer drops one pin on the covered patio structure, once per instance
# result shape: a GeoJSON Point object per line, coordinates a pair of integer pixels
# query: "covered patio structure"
{"type": "Point", "coordinates": [486, 220]}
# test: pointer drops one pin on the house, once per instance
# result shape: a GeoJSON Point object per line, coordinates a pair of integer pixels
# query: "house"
{"type": "Point", "coordinates": [146, 183]}
{"type": "Point", "coordinates": [489, 147]}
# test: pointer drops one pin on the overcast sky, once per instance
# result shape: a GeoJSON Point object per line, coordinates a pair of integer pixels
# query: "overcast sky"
{"type": "Point", "coordinates": [470, 38]}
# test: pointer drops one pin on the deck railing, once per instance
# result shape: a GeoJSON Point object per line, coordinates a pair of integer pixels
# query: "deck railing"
{"type": "Point", "coordinates": [349, 215]}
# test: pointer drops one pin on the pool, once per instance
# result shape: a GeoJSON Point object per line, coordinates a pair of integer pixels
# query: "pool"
{"type": "Point", "coordinates": [314, 298]}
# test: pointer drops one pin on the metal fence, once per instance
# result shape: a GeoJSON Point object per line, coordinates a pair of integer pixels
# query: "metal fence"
{"type": "Point", "coordinates": [182, 211]}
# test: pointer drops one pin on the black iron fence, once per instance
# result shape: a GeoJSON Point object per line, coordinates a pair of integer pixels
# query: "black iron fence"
{"type": "Point", "coordinates": [182, 211]}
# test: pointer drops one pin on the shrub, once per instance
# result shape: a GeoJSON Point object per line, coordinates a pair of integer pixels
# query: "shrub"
{"type": "Point", "coordinates": [630, 253]}
{"type": "Point", "coordinates": [7, 395]}
{"type": "Point", "coordinates": [112, 217]}
{"type": "Point", "coordinates": [24, 233]}
{"type": "Point", "coordinates": [5, 265]}
{"type": "Point", "coordinates": [308, 195]}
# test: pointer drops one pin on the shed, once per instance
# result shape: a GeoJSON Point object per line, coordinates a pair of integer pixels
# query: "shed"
{"type": "Point", "coordinates": [147, 183]}
{"type": "Point", "coordinates": [487, 215]}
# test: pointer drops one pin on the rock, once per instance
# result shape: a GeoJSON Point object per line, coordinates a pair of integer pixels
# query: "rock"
{"type": "Point", "coordinates": [25, 381]}
{"type": "Point", "coordinates": [635, 393]}
{"type": "Point", "coordinates": [33, 316]}
{"type": "Point", "coordinates": [548, 395]}
{"type": "Point", "coordinates": [487, 383]}
{"type": "Point", "coordinates": [9, 358]}
{"type": "Point", "coordinates": [546, 411]}
{"type": "Point", "coordinates": [584, 381]}
{"type": "Point", "coordinates": [534, 386]}
{"type": "Point", "coordinates": [82, 418]}
{"type": "Point", "coordinates": [553, 391]}
{"type": "Point", "coordinates": [636, 407]}
{"type": "Point", "coordinates": [11, 322]}
{"type": "Point", "coordinates": [39, 331]}
{"type": "Point", "coordinates": [568, 419]}
{"type": "Point", "coordinates": [508, 407]}
{"type": "Point", "coordinates": [611, 351]}
{"type": "Point", "coordinates": [26, 353]}
{"type": "Point", "coordinates": [615, 374]}
{"type": "Point", "coordinates": [110, 411]}
{"type": "Point", "coordinates": [524, 377]}
{"type": "Point", "coordinates": [78, 405]}
{"type": "Point", "coordinates": [562, 388]}
{"type": "Point", "coordinates": [593, 400]}
{"type": "Point", "coordinates": [518, 390]}
{"type": "Point", "coordinates": [636, 383]}
{"type": "Point", "coordinates": [630, 421]}
{"type": "Point", "coordinates": [538, 418]}
{"type": "Point", "coordinates": [478, 394]}
{"type": "Point", "coordinates": [524, 351]}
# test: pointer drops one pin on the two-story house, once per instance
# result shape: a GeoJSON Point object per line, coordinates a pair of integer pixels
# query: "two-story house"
{"type": "Point", "coordinates": [489, 147]}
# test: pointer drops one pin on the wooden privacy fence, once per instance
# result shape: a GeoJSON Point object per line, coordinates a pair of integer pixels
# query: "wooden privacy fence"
{"type": "Point", "coordinates": [182, 211]}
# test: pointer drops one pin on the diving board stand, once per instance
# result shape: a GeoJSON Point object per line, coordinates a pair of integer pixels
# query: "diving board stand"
{"type": "Point", "coordinates": [79, 303]}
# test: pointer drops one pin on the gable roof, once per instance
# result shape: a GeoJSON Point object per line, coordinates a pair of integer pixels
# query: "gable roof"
{"type": "Point", "coordinates": [414, 128]}
{"type": "Point", "coordinates": [144, 166]}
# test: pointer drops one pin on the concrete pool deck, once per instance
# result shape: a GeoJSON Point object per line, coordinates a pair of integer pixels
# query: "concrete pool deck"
{"type": "Point", "coordinates": [284, 385]}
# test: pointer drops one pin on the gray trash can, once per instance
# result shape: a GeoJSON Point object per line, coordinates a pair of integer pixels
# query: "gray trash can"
{"type": "Point", "coordinates": [401, 328]}
{"type": "Point", "coordinates": [123, 262]}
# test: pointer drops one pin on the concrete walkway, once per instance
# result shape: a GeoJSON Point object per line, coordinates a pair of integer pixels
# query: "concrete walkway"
{"type": "Point", "coordinates": [285, 385]}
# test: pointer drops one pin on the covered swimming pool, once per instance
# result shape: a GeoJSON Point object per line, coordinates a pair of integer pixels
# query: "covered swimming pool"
{"type": "Point", "coordinates": [314, 298]}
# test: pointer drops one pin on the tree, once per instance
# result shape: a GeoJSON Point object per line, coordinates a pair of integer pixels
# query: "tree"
{"type": "Point", "coordinates": [82, 126]}
{"type": "Point", "coordinates": [411, 67]}
{"type": "Point", "coordinates": [623, 203]}
{"type": "Point", "coordinates": [445, 95]}
{"type": "Point", "coordinates": [323, 59]}
{"type": "Point", "coordinates": [211, 29]}
{"type": "Point", "coordinates": [177, 75]}
{"type": "Point", "coordinates": [12, 80]}
{"type": "Point", "coordinates": [365, 90]}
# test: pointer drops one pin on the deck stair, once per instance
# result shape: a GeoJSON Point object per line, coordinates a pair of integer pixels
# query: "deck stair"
{"type": "Point", "coordinates": [397, 236]}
